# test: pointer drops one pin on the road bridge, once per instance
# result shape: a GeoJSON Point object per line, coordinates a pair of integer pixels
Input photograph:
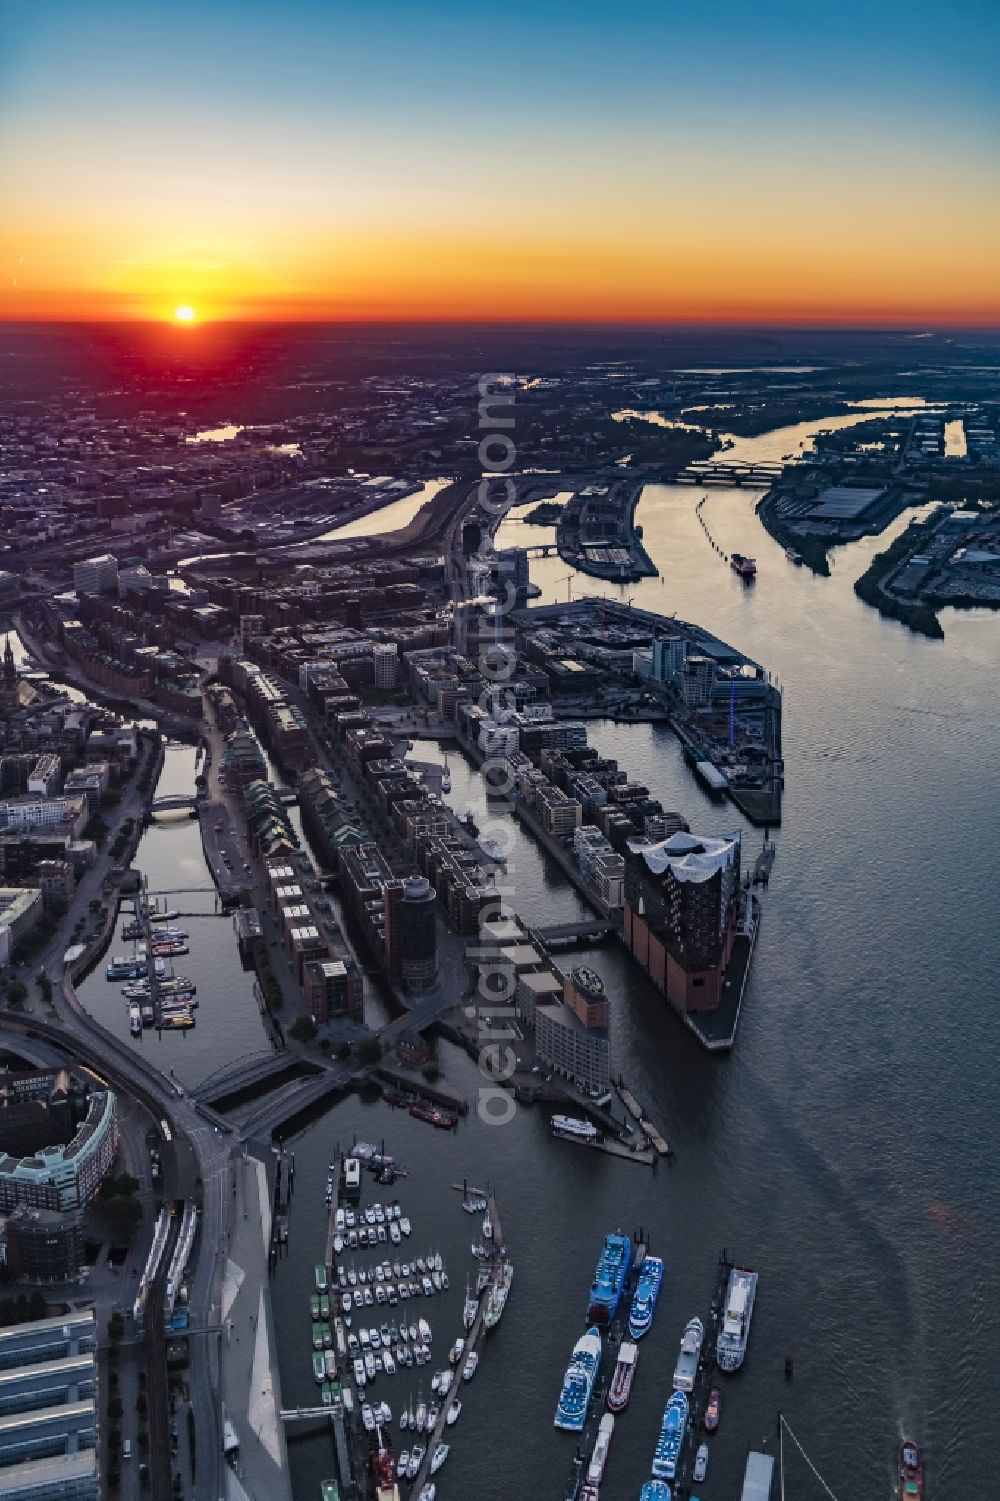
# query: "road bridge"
{"type": "Point", "coordinates": [256, 1068]}
{"type": "Point", "coordinates": [173, 803]}
{"type": "Point", "coordinates": [575, 934]}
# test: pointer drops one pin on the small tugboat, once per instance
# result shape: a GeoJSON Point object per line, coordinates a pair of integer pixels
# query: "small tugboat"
{"type": "Point", "coordinates": [713, 1410]}
{"type": "Point", "coordinates": [434, 1117]}
{"type": "Point", "coordinates": [744, 566]}
{"type": "Point", "coordinates": [911, 1472]}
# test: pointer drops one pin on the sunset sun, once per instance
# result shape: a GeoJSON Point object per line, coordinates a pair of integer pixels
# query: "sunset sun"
{"type": "Point", "coordinates": [184, 314]}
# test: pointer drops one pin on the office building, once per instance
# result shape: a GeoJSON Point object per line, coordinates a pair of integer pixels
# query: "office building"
{"type": "Point", "coordinates": [44, 1245]}
{"type": "Point", "coordinates": [96, 575]}
{"type": "Point", "coordinates": [386, 666]}
{"type": "Point", "coordinates": [64, 1176]}
{"type": "Point", "coordinates": [48, 1409]}
{"type": "Point", "coordinates": [418, 951]}
{"type": "Point", "coordinates": [333, 987]}
{"type": "Point", "coordinates": [43, 779]}
{"type": "Point", "coordinates": [668, 655]}
{"type": "Point", "coordinates": [19, 912]}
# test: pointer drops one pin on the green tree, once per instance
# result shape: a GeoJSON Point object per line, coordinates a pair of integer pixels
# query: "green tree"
{"type": "Point", "coordinates": [303, 1029]}
{"type": "Point", "coordinates": [123, 1217]}
{"type": "Point", "coordinates": [115, 1409]}
{"type": "Point", "coordinates": [431, 1070]}
{"type": "Point", "coordinates": [369, 1050]}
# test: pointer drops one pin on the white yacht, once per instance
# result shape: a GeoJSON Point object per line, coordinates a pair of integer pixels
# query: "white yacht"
{"type": "Point", "coordinates": [731, 1344]}
{"type": "Point", "coordinates": [690, 1353]}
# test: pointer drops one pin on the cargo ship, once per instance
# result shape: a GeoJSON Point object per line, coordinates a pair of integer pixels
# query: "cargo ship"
{"type": "Point", "coordinates": [744, 566]}
{"type": "Point", "coordinates": [578, 1383]}
{"type": "Point", "coordinates": [609, 1279]}
{"type": "Point", "coordinates": [621, 1381]}
{"type": "Point", "coordinates": [690, 1353]}
{"type": "Point", "coordinates": [672, 1430]}
{"type": "Point", "coordinates": [640, 1318]}
{"type": "Point", "coordinates": [911, 1472]}
{"type": "Point", "coordinates": [731, 1344]}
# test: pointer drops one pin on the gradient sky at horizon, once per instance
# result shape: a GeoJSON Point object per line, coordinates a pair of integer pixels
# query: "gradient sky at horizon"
{"type": "Point", "coordinates": [722, 160]}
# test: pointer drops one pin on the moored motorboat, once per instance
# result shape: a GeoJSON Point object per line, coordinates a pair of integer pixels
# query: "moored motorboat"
{"type": "Point", "coordinates": [713, 1410]}
{"type": "Point", "coordinates": [621, 1381]}
{"type": "Point", "coordinates": [690, 1353]}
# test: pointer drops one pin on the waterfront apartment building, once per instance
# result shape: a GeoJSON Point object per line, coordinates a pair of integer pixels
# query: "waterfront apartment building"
{"type": "Point", "coordinates": [682, 908]}
{"type": "Point", "coordinates": [571, 1036]}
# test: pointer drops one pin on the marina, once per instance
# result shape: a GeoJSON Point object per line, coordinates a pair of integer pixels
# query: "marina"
{"type": "Point", "coordinates": [364, 1327]}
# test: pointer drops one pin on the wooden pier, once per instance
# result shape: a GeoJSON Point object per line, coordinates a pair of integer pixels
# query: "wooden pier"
{"type": "Point", "coordinates": [659, 1143]}
{"type": "Point", "coordinates": [629, 1100]}
{"type": "Point", "coordinates": [617, 1333]}
{"type": "Point", "coordinates": [331, 1219]}
{"type": "Point", "coordinates": [763, 863]}
{"type": "Point", "coordinates": [642, 1155]}
{"type": "Point", "coordinates": [468, 1346]}
{"type": "Point", "coordinates": [703, 1381]}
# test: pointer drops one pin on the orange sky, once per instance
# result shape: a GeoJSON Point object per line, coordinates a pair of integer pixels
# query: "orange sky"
{"type": "Point", "coordinates": [293, 167]}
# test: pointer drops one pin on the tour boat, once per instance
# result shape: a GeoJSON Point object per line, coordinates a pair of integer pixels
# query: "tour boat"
{"type": "Point", "coordinates": [910, 1485]}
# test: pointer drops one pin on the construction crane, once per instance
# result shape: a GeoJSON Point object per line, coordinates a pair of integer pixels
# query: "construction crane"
{"type": "Point", "coordinates": [568, 581]}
